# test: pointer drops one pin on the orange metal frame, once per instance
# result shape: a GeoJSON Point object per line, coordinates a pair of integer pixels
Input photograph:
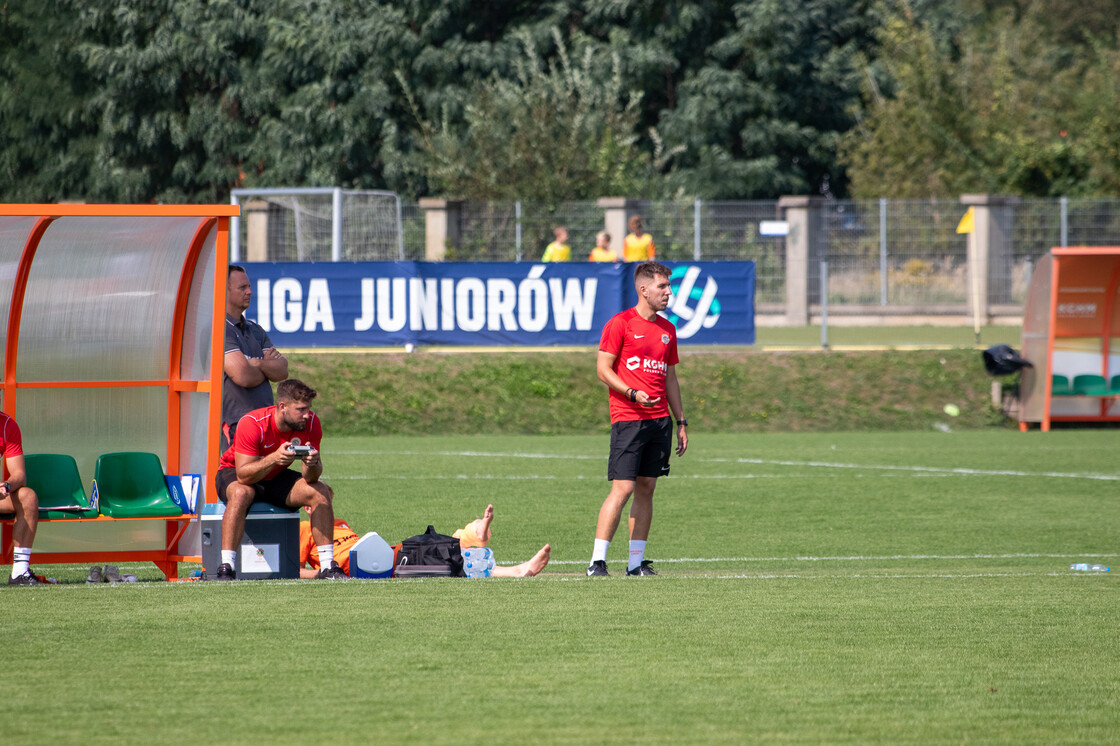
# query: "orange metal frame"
{"type": "Point", "coordinates": [211, 217]}
{"type": "Point", "coordinates": [1105, 335]}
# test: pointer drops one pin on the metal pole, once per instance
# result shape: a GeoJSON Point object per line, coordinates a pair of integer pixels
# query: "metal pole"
{"type": "Point", "coordinates": [336, 225]}
{"type": "Point", "coordinates": [400, 228]}
{"type": "Point", "coordinates": [517, 215]}
{"type": "Point", "coordinates": [234, 234]}
{"type": "Point", "coordinates": [824, 304]}
{"type": "Point", "coordinates": [882, 251]}
{"type": "Point", "coordinates": [299, 231]}
{"type": "Point", "coordinates": [696, 231]}
{"type": "Point", "coordinates": [1063, 239]}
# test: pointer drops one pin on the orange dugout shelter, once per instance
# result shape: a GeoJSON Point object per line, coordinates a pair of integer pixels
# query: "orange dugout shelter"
{"type": "Point", "coordinates": [1071, 335]}
{"type": "Point", "coordinates": [112, 341]}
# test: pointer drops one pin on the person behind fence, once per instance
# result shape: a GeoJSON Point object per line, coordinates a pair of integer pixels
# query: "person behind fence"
{"type": "Point", "coordinates": [558, 250]}
{"type": "Point", "coordinates": [255, 467]}
{"type": "Point", "coordinates": [603, 251]}
{"type": "Point", "coordinates": [251, 363]}
{"type": "Point", "coordinates": [638, 246]}
{"type": "Point", "coordinates": [16, 497]}
{"type": "Point", "coordinates": [637, 361]}
{"type": "Point", "coordinates": [474, 534]}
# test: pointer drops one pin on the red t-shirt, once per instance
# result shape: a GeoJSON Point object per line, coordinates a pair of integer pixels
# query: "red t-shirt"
{"type": "Point", "coordinates": [11, 440]}
{"type": "Point", "coordinates": [257, 436]}
{"type": "Point", "coordinates": [643, 352]}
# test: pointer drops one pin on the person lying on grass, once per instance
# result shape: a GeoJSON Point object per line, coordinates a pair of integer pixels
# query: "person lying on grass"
{"type": "Point", "coordinates": [474, 534]}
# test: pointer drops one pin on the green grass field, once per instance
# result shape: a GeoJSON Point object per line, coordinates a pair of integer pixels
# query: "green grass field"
{"type": "Point", "coordinates": [815, 588]}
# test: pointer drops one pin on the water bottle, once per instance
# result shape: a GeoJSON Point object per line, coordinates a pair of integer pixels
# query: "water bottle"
{"type": "Point", "coordinates": [1085, 567]}
{"type": "Point", "coordinates": [478, 562]}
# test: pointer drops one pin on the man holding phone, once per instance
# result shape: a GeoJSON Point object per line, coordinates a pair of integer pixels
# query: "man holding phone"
{"type": "Point", "coordinates": [255, 467]}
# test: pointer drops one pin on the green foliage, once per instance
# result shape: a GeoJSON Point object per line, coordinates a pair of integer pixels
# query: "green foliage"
{"type": "Point", "coordinates": [1002, 105]}
{"type": "Point", "coordinates": [578, 107]}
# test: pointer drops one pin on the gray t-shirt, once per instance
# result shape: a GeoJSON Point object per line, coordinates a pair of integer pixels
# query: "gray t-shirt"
{"type": "Point", "coordinates": [248, 337]}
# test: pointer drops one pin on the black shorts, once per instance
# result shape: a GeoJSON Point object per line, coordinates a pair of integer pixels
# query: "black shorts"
{"type": "Point", "coordinates": [640, 448]}
{"type": "Point", "coordinates": [273, 491]}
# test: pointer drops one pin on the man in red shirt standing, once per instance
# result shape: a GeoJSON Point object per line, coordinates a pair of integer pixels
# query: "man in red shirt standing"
{"type": "Point", "coordinates": [16, 497]}
{"type": "Point", "coordinates": [637, 359]}
{"type": "Point", "coordinates": [255, 467]}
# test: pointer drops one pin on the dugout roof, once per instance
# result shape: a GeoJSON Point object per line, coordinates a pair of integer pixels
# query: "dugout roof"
{"type": "Point", "coordinates": [112, 333]}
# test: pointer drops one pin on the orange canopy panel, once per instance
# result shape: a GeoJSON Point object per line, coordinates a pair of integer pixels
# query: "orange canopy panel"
{"type": "Point", "coordinates": [112, 334]}
{"type": "Point", "coordinates": [1070, 327]}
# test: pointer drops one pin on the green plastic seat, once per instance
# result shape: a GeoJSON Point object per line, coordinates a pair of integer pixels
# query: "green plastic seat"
{"type": "Point", "coordinates": [1090, 385]}
{"type": "Point", "coordinates": [55, 479]}
{"type": "Point", "coordinates": [1059, 386]}
{"type": "Point", "coordinates": [132, 485]}
{"type": "Point", "coordinates": [1115, 387]}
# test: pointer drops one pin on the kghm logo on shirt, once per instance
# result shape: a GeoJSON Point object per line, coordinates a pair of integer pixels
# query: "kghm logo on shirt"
{"type": "Point", "coordinates": [689, 319]}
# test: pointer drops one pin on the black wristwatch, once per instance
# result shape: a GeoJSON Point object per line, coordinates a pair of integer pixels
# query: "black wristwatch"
{"type": "Point", "coordinates": [682, 422]}
{"type": "Point", "coordinates": [7, 488]}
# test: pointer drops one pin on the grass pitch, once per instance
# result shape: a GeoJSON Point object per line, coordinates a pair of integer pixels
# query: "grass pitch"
{"type": "Point", "coordinates": [836, 588]}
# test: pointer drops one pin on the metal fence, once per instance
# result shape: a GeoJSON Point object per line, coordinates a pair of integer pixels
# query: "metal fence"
{"type": "Point", "coordinates": [880, 252]}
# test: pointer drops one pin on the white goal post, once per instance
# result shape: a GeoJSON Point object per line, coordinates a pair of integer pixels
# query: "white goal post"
{"type": "Point", "coordinates": [317, 224]}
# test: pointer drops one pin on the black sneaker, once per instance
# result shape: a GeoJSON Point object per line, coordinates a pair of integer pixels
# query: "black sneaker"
{"type": "Point", "coordinates": [225, 572]}
{"type": "Point", "coordinates": [112, 574]}
{"type": "Point", "coordinates": [598, 569]}
{"type": "Point", "coordinates": [26, 579]}
{"type": "Point", "coordinates": [95, 575]}
{"type": "Point", "coordinates": [334, 572]}
{"type": "Point", "coordinates": [642, 569]}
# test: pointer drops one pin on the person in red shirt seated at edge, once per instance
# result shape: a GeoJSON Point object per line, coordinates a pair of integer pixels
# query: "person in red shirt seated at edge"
{"type": "Point", "coordinates": [255, 468]}
{"type": "Point", "coordinates": [637, 361]}
{"type": "Point", "coordinates": [474, 534]}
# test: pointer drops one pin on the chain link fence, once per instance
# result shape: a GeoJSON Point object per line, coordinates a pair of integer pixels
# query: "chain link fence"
{"type": "Point", "coordinates": [891, 253]}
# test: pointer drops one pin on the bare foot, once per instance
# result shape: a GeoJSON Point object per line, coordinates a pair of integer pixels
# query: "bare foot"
{"type": "Point", "coordinates": [525, 569]}
{"type": "Point", "coordinates": [484, 531]}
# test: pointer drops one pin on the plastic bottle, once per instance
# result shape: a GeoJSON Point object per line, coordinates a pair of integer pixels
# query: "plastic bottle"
{"type": "Point", "coordinates": [478, 562]}
{"type": "Point", "coordinates": [1085, 567]}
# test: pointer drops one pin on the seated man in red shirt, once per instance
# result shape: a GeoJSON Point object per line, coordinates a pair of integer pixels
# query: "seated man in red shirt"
{"type": "Point", "coordinates": [16, 497]}
{"type": "Point", "coordinates": [255, 467]}
{"type": "Point", "coordinates": [474, 534]}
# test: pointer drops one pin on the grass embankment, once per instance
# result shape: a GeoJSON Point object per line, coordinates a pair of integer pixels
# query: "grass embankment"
{"type": "Point", "coordinates": [724, 391]}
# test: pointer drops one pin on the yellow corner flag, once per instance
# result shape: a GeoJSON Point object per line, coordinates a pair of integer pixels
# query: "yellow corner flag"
{"type": "Point", "coordinates": [968, 222]}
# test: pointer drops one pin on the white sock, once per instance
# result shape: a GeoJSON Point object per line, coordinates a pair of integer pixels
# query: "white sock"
{"type": "Point", "coordinates": [326, 555]}
{"type": "Point", "coordinates": [21, 561]}
{"type": "Point", "coordinates": [229, 557]}
{"type": "Point", "coordinates": [637, 554]}
{"type": "Point", "coordinates": [600, 551]}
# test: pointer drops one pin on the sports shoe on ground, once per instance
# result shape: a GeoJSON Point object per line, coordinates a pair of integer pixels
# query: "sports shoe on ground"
{"type": "Point", "coordinates": [112, 574]}
{"type": "Point", "coordinates": [642, 569]}
{"type": "Point", "coordinates": [26, 579]}
{"type": "Point", "coordinates": [95, 575]}
{"type": "Point", "coordinates": [598, 569]}
{"type": "Point", "coordinates": [334, 572]}
{"type": "Point", "coordinates": [225, 572]}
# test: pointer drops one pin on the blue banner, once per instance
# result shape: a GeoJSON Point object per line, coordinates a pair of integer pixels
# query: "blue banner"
{"type": "Point", "coordinates": [380, 304]}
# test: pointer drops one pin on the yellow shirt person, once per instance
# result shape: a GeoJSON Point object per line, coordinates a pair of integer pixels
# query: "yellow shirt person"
{"type": "Point", "coordinates": [603, 251]}
{"type": "Point", "coordinates": [638, 246]}
{"type": "Point", "coordinates": [558, 250]}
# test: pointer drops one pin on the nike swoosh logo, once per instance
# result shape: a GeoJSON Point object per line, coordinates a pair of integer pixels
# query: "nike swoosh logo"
{"type": "Point", "coordinates": [638, 336]}
{"type": "Point", "coordinates": [268, 445]}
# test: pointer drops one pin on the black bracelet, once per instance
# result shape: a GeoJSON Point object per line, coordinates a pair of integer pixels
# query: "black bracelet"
{"type": "Point", "coordinates": [633, 394]}
{"type": "Point", "coordinates": [682, 422]}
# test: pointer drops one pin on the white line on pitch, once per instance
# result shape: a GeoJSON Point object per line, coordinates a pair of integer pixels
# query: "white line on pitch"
{"type": "Point", "coordinates": [929, 470]}
{"type": "Point", "coordinates": [866, 558]}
